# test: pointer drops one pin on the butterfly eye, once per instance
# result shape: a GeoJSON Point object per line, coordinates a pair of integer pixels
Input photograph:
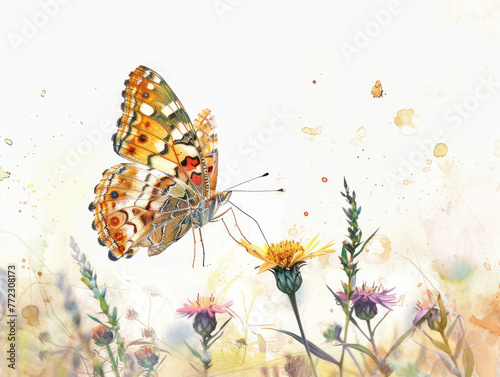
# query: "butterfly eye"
{"type": "Point", "coordinates": [142, 138]}
{"type": "Point", "coordinates": [145, 95]}
{"type": "Point", "coordinates": [114, 195]}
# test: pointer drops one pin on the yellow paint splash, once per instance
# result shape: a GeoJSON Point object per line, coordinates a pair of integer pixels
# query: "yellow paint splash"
{"type": "Point", "coordinates": [404, 117]}
{"type": "Point", "coordinates": [361, 132]}
{"type": "Point", "coordinates": [3, 174]}
{"type": "Point", "coordinates": [312, 131]}
{"type": "Point", "coordinates": [408, 122]}
{"type": "Point", "coordinates": [378, 250]}
{"type": "Point", "coordinates": [8, 141]}
{"type": "Point", "coordinates": [440, 150]}
{"type": "Point", "coordinates": [42, 93]}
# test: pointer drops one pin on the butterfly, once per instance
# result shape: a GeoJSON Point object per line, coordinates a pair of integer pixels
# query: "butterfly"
{"type": "Point", "coordinates": [170, 187]}
{"type": "Point", "coordinates": [377, 90]}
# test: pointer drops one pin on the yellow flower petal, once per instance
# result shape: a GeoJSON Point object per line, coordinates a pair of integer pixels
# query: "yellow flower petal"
{"type": "Point", "coordinates": [266, 266]}
{"type": "Point", "coordinates": [258, 253]}
{"type": "Point", "coordinates": [285, 253]}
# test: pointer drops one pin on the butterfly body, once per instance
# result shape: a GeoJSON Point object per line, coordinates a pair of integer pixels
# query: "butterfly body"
{"type": "Point", "coordinates": [208, 208]}
{"type": "Point", "coordinates": [171, 185]}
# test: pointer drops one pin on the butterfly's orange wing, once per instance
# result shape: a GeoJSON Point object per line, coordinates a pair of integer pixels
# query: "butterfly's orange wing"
{"type": "Point", "coordinates": [206, 131]}
{"type": "Point", "coordinates": [152, 205]}
{"type": "Point", "coordinates": [139, 207]}
{"type": "Point", "coordinates": [155, 130]}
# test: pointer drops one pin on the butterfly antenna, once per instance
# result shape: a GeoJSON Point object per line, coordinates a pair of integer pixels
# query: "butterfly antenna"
{"type": "Point", "coordinates": [249, 180]}
{"type": "Point", "coordinates": [279, 190]}
{"type": "Point", "coordinates": [239, 209]}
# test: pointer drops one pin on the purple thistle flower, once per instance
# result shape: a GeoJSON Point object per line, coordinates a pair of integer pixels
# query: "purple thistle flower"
{"type": "Point", "coordinates": [366, 299]}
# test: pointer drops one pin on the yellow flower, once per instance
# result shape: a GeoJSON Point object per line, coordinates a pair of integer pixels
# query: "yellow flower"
{"type": "Point", "coordinates": [285, 254]}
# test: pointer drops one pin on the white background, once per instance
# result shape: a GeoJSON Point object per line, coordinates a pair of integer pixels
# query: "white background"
{"type": "Point", "coordinates": [248, 61]}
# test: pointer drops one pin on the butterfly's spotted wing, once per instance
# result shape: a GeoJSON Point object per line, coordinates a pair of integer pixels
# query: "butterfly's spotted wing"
{"type": "Point", "coordinates": [154, 205]}
{"type": "Point", "coordinates": [141, 207]}
{"type": "Point", "coordinates": [155, 130]}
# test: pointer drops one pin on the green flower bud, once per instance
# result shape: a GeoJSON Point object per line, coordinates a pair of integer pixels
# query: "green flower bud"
{"type": "Point", "coordinates": [288, 280]}
{"type": "Point", "coordinates": [147, 357]}
{"type": "Point", "coordinates": [204, 324]}
{"type": "Point", "coordinates": [206, 358]}
{"type": "Point", "coordinates": [101, 335]}
{"type": "Point", "coordinates": [365, 310]}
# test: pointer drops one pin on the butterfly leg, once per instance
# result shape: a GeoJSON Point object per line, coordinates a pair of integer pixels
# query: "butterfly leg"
{"type": "Point", "coordinates": [202, 246]}
{"type": "Point", "coordinates": [219, 217]}
{"type": "Point", "coordinates": [194, 245]}
{"type": "Point", "coordinates": [235, 223]}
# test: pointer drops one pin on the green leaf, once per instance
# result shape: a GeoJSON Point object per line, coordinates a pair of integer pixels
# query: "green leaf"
{"type": "Point", "coordinates": [95, 319]}
{"type": "Point", "coordinates": [315, 350]}
{"type": "Point", "coordinates": [468, 360]}
{"type": "Point", "coordinates": [193, 351]}
{"type": "Point", "coordinates": [214, 338]}
{"type": "Point", "coordinates": [344, 254]}
{"type": "Point", "coordinates": [443, 347]}
{"type": "Point", "coordinates": [442, 310]}
{"type": "Point", "coordinates": [364, 244]}
{"type": "Point", "coordinates": [364, 350]}
{"type": "Point", "coordinates": [349, 248]}
{"type": "Point", "coordinates": [86, 282]}
{"type": "Point", "coordinates": [104, 306]}
{"type": "Point", "coordinates": [344, 306]}
{"type": "Point", "coordinates": [452, 326]}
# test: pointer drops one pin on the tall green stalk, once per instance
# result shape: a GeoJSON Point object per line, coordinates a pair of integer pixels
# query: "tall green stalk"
{"type": "Point", "coordinates": [293, 302]}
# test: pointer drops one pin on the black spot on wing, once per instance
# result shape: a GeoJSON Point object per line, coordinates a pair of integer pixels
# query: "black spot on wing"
{"type": "Point", "coordinates": [112, 256]}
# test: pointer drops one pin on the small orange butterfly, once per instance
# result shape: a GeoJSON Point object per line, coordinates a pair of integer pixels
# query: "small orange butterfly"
{"type": "Point", "coordinates": [377, 90]}
{"type": "Point", "coordinates": [171, 186]}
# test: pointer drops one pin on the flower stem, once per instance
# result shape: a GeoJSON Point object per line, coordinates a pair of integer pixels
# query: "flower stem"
{"type": "Point", "coordinates": [372, 340]}
{"type": "Point", "coordinates": [293, 302]}
{"type": "Point", "coordinates": [448, 345]}
{"type": "Point", "coordinates": [112, 361]}
{"type": "Point", "coordinates": [347, 320]}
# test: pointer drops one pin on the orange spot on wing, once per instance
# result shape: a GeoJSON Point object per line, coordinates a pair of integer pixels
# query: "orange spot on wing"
{"type": "Point", "coordinates": [190, 163]}
{"type": "Point", "coordinates": [196, 178]}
